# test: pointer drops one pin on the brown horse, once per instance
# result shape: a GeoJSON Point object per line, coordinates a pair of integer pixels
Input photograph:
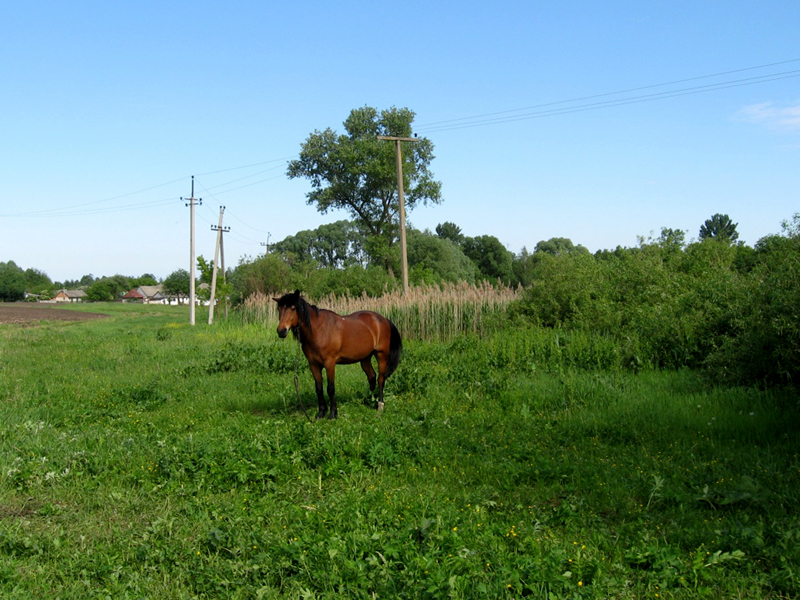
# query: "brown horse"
{"type": "Point", "coordinates": [328, 339]}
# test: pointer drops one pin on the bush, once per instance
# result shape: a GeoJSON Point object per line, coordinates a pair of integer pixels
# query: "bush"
{"type": "Point", "coordinates": [762, 344]}
{"type": "Point", "coordinates": [674, 307]}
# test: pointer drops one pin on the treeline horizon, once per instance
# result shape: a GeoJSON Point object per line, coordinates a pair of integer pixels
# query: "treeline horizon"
{"type": "Point", "coordinates": [358, 259]}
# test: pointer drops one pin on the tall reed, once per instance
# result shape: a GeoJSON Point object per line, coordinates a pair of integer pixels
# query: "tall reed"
{"type": "Point", "coordinates": [427, 312]}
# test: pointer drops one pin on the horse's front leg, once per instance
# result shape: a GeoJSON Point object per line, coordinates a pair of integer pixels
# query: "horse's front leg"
{"type": "Point", "coordinates": [330, 371]}
{"type": "Point", "coordinates": [316, 371]}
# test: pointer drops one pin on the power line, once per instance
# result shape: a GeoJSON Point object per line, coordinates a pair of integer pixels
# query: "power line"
{"type": "Point", "coordinates": [246, 224]}
{"type": "Point", "coordinates": [66, 212]}
{"type": "Point", "coordinates": [492, 118]}
{"type": "Point", "coordinates": [258, 164]}
{"type": "Point", "coordinates": [81, 210]}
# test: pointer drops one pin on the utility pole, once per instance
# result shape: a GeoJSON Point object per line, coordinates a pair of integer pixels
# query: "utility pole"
{"type": "Point", "coordinates": [401, 202]}
{"type": "Point", "coordinates": [191, 202]}
{"type": "Point", "coordinates": [220, 229]}
{"type": "Point", "coordinates": [269, 235]}
{"type": "Point", "coordinates": [222, 262]}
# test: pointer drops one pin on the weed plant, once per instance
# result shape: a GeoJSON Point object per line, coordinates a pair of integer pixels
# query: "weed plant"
{"type": "Point", "coordinates": [144, 458]}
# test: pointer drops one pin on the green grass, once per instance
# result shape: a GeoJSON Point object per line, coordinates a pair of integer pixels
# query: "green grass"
{"type": "Point", "coordinates": [144, 458]}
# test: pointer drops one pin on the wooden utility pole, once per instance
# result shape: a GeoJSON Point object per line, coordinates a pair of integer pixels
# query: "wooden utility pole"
{"type": "Point", "coordinates": [217, 251]}
{"type": "Point", "coordinates": [222, 262]}
{"type": "Point", "coordinates": [191, 202]}
{"type": "Point", "coordinates": [401, 203]}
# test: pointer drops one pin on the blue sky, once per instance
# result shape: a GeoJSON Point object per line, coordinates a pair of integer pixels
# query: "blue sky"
{"type": "Point", "coordinates": [107, 109]}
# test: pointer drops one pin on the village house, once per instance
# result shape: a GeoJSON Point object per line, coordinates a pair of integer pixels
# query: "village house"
{"type": "Point", "coordinates": [70, 296]}
{"type": "Point", "coordinates": [147, 294]}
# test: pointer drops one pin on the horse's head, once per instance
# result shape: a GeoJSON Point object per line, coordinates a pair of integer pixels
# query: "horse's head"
{"type": "Point", "coordinates": [288, 316]}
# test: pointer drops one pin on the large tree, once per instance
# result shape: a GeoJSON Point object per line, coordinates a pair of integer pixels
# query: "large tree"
{"type": "Point", "coordinates": [356, 172]}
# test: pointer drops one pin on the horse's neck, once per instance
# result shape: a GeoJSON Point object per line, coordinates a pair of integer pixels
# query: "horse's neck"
{"type": "Point", "coordinates": [317, 324]}
{"type": "Point", "coordinates": [307, 330]}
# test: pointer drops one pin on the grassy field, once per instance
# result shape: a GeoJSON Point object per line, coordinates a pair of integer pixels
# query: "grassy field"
{"type": "Point", "coordinates": [144, 458]}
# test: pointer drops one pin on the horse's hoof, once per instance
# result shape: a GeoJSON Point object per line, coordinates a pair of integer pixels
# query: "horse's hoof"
{"type": "Point", "coordinates": [380, 406]}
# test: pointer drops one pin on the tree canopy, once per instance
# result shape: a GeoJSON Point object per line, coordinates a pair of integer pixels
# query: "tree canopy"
{"type": "Point", "coordinates": [12, 282]}
{"type": "Point", "coordinates": [719, 227]}
{"type": "Point", "coordinates": [356, 172]}
{"type": "Point", "coordinates": [177, 284]}
{"type": "Point", "coordinates": [332, 245]}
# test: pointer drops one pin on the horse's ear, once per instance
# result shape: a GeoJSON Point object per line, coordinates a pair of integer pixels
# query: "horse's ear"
{"type": "Point", "coordinates": [276, 299]}
{"type": "Point", "coordinates": [297, 293]}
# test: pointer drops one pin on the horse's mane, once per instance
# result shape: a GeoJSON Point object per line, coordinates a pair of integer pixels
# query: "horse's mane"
{"type": "Point", "coordinates": [303, 308]}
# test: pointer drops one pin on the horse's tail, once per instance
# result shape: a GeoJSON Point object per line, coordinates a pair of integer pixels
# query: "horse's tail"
{"type": "Point", "coordinates": [395, 350]}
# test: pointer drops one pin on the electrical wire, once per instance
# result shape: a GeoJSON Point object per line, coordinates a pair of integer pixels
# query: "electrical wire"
{"type": "Point", "coordinates": [492, 119]}
{"type": "Point", "coordinates": [598, 105]}
{"type": "Point", "coordinates": [66, 212]}
{"type": "Point", "coordinates": [592, 97]}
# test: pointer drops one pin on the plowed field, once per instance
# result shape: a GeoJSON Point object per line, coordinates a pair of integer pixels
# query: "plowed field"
{"type": "Point", "coordinates": [31, 313]}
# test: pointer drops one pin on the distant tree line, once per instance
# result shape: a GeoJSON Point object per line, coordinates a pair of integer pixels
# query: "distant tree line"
{"type": "Point", "coordinates": [16, 284]}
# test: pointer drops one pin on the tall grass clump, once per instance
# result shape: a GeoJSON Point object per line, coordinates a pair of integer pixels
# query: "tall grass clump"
{"type": "Point", "coordinates": [427, 312]}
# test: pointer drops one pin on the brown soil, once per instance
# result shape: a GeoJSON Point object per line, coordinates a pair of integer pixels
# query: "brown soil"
{"type": "Point", "coordinates": [31, 313]}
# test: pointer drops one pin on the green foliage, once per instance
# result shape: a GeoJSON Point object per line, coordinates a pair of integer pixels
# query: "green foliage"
{"type": "Point", "coordinates": [273, 274]}
{"type": "Point", "coordinates": [559, 245]}
{"type": "Point", "coordinates": [223, 289]}
{"type": "Point", "coordinates": [12, 282]}
{"type": "Point", "coordinates": [354, 281]}
{"type": "Point", "coordinates": [177, 284]}
{"type": "Point", "coordinates": [37, 282]}
{"type": "Point", "coordinates": [440, 256]}
{"type": "Point", "coordinates": [267, 274]}
{"type": "Point", "coordinates": [672, 306]}
{"type": "Point", "coordinates": [356, 172]}
{"type": "Point", "coordinates": [493, 260]}
{"type": "Point", "coordinates": [145, 279]}
{"type": "Point", "coordinates": [720, 228]}
{"type": "Point", "coordinates": [762, 344]}
{"type": "Point", "coordinates": [332, 245]}
{"type": "Point", "coordinates": [107, 289]}
{"type": "Point", "coordinates": [450, 231]}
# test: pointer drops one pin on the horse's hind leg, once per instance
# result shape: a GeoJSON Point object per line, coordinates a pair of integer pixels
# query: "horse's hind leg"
{"type": "Point", "coordinates": [366, 365]}
{"type": "Point", "coordinates": [382, 363]}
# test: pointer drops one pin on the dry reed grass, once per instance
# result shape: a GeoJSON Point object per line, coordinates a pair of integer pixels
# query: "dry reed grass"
{"type": "Point", "coordinates": [428, 312]}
